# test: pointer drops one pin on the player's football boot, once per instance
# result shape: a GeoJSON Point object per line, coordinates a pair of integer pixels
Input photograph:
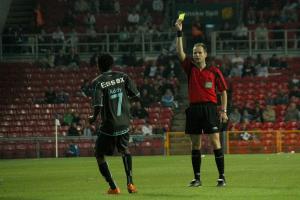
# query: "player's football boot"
{"type": "Point", "coordinates": [131, 188]}
{"type": "Point", "coordinates": [195, 183]}
{"type": "Point", "coordinates": [221, 182]}
{"type": "Point", "coordinates": [114, 191]}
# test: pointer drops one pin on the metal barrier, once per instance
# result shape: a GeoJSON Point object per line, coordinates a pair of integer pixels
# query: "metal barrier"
{"type": "Point", "coordinates": [259, 141]}
{"type": "Point", "coordinates": [40, 147]}
{"type": "Point", "coordinates": [284, 42]}
{"type": "Point", "coordinates": [37, 46]}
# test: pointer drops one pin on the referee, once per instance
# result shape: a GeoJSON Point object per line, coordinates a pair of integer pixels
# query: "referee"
{"type": "Point", "coordinates": [112, 91]}
{"type": "Point", "coordinates": [202, 115]}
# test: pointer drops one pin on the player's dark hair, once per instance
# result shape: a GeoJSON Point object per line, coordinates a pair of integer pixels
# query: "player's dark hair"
{"type": "Point", "coordinates": [105, 62]}
{"type": "Point", "coordinates": [201, 45]}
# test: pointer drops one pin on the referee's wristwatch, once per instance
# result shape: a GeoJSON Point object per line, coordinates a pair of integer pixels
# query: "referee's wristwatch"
{"type": "Point", "coordinates": [224, 111]}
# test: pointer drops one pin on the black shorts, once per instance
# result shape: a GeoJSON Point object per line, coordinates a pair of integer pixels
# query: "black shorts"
{"type": "Point", "coordinates": [202, 118]}
{"type": "Point", "coordinates": [105, 144]}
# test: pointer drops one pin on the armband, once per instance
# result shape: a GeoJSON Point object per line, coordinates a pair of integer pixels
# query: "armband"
{"type": "Point", "coordinates": [179, 33]}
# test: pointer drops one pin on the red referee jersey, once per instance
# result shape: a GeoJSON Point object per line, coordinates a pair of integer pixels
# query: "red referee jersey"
{"type": "Point", "coordinates": [203, 83]}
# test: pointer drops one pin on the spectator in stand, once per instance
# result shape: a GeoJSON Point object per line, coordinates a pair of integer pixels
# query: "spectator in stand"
{"type": "Point", "coordinates": [73, 130]}
{"type": "Point", "coordinates": [62, 97]}
{"type": "Point", "coordinates": [58, 38]}
{"type": "Point", "coordinates": [48, 61]}
{"type": "Point", "coordinates": [73, 59]}
{"type": "Point", "coordinates": [246, 115]}
{"type": "Point", "coordinates": [292, 113]}
{"type": "Point", "coordinates": [262, 69]}
{"type": "Point", "coordinates": [256, 113]}
{"type": "Point", "coordinates": [81, 6]}
{"type": "Point", "coordinates": [60, 58]}
{"type": "Point", "coordinates": [294, 82]}
{"type": "Point", "coordinates": [91, 34]}
{"type": "Point", "coordinates": [283, 63]}
{"type": "Point", "coordinates": [294, 92]}
{"type": "Point", "coordinates": [235, 71]}
{"type": "Point", "coordinates": [172, 70]}
{"type": "Point", "coordinates": [249, 68]}
{"type": "Point", "coordinates": [269, 98]}
{"type": "Point", "coordinates": [39, 17]}
{"type": "Point", "coordinates": [238, 60]}
{"type": "Point", "coordinates": [123, 38]}
{"type": "Point", "coordinates": [50, 96]}
{"type": "Point", "coordinates": [261, 37]}
{"type": "Point", "coordinates": [282, 97]}
{"type": "Point", "coordinates": [145, 18]}
{"type": "Point", "coordinates": [151, 70]}
{"type": "Point", "coordinates": [146, 99]}
{"type": "Point", "coordinates": [87, 129]}
{"type": "Point", "coordinates": [241, 36]}
{"type": "Point", "coordinates": [76, 118]}
{"type": "Point", "coordinates": [269, 114]}
{"type": "Point", "coordinates": [95, 6]}
{"type": "Point", "coordinates": [147, 129]}
{"type": "Point", "coordinates": [73, 151]}
{"type": "Point", "coordinates": [117, 7]}
{"type": "Point", "coordinates": [68, 117]}
{"type": "Point", "coordinates": [138, 112]}
{"type": "Point", "coordinates": [133, 17]}
{"type": "Point", "coordinates": [147, 84]}
{"type": "Point", "coordinates": [167, 100]}
{"type": "Point", "coordinates": [251, 16]}
{"type": "Point", "coordinates": [73, 39]}
{"type": "Point", "coordinates": [157, 5]}
{"type": "Point", "coordinates": [235, 116]}
{"type": "Point", "coordinates": [89, 20]}
{"type": "Point", "coordinates": [274, 61]}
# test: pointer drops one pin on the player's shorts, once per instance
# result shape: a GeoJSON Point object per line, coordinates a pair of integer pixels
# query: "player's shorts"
{"type": "Point", "coordinates": [105, 144]}
{"type": "Point", "coordinates": [202, 118]}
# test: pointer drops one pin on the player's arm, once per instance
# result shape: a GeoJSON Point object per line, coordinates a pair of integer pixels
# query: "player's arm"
{"type": "Point", "coordinates": [223, 113]}
{"type": "Point", "coordinates": [93, 118]}
{"type": "Point", "coordinates": [132, 90]}
{"type": "Point", "coordinates": [179, 43]}
{"type": "Point", "coordinates": [97, 103]}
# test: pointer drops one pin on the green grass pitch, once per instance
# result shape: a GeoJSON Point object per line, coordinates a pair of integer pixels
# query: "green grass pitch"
{"type": "Point", "coordinates": [251, 177]}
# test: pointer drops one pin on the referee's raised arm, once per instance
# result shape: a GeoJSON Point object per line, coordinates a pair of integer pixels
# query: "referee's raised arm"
{"type": "Point", "coordinates": [179, 45]}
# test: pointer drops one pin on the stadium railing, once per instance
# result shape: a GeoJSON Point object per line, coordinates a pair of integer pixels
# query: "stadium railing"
{"type": "Point", "coordinates": [287, 43]}
{"type": "Point", "coordinates": [32, 46]}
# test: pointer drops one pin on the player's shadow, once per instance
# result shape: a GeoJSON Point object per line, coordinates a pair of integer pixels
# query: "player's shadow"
{"type": "Point", "coordinates": [167, 195]}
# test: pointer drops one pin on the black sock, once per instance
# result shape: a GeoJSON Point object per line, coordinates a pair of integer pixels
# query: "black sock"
{"type": "Point", "coordinates": [127, 161]}
{"type": "Point", "coordinates": [103, 168]}
{"type": "Point", "coordinates": [219, 158]}
{"type": "Point", "coordinates": [196, 162]}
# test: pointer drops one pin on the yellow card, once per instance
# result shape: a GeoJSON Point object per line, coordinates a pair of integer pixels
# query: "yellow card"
{"type": "Point", "coordinates": [181, 16]}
